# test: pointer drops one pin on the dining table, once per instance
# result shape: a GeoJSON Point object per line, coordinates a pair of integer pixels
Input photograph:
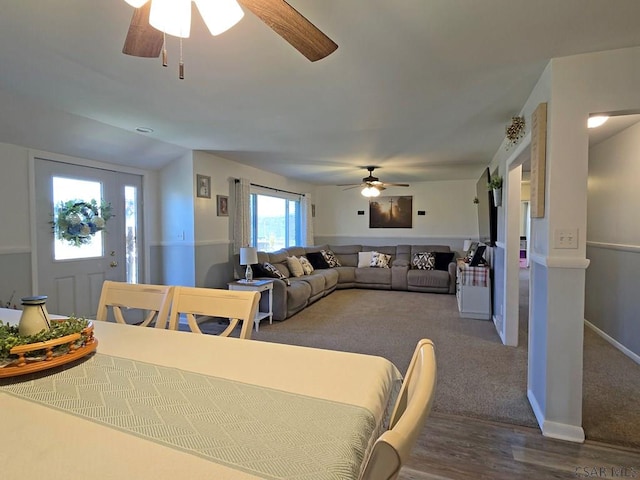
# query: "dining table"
{"type": "Point", "coordinates": [165, 404]}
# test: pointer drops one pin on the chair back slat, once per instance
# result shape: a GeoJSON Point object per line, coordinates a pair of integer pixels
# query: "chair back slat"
{"type": "Point", "coordinates": [154, 299]}
{"type": "Point", "coordinates": [210, 302]}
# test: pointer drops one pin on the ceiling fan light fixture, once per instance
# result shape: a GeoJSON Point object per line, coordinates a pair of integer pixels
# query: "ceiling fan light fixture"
{"type": "Point", "coordinates": [172, 17]}
{"type": "Point", "coordinates": [219, 15]}
{"type": "Point", "coordinates": [136, 3]}
{"type": "Point", "coordinates": [370, 191]}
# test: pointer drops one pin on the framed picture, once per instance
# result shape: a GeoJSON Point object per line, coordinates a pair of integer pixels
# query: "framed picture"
{"type": "Point", "coordinates": [203, 186]}
{"type": "Point", "coordinates": [391, 212]}
{"type": "Point", "coordinates": [223, 205]}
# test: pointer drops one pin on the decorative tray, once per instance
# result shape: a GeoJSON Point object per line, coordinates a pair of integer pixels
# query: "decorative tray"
{"type": "Point", "coordinates": [38, 356]}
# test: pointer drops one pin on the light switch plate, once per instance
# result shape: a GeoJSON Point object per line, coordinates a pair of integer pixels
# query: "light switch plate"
{"type": "Point", "coordinates": [565, 238]}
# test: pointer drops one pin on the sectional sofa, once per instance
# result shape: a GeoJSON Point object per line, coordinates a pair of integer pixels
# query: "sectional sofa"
{"type": "Point", "coordinates": [293, 293]}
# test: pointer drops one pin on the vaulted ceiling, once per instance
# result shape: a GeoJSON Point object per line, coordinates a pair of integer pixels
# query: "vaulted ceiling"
{"type": "Point", "coordinates": [421, 88]}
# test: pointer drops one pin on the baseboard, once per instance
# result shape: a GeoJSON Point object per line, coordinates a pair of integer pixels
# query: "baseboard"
{"type": "Point", "coordinates": [561, 431]}
{"type": "Point", "coordinates": [633, 356]}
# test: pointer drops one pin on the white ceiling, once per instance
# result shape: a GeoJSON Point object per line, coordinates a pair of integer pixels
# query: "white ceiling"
{"type": "Point", "coordinates": [421, 88]}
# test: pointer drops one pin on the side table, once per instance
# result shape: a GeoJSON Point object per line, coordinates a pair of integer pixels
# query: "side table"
{"type": "Point", "coordinates": [265, 287]}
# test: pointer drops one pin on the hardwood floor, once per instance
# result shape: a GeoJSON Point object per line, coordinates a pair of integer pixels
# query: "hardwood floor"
{"type": "Point", "coordinates": [453, 447]}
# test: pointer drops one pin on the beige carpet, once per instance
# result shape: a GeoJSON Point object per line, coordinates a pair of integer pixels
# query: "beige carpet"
{"type": "Point", "coordinates": [477, 375]}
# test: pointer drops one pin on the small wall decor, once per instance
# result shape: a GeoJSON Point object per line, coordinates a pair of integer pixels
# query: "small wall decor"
{"type": "Point", "coordinates": [515, 131]}
{"type": "Point", "coordinates": [77, 221]}
{"type": "Point", "coordinates": [222, 202]}
{"type": "Point", "coordinates": [391, 212]}
{"type": "Point", "coordinates": [203, 186]}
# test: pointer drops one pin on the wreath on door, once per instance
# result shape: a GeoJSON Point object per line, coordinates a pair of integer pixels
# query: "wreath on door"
{"type": "Point", "coordinates": [77, 221]}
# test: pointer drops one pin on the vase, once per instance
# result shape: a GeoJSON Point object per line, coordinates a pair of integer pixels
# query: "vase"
{"type": "Point", "coordinates": [497, 197]}
{"type": "Point", "coordinates": [35, 317]}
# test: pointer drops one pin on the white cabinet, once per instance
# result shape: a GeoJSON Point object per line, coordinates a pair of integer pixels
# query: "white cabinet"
{"type": "Point", "coordinates": [473, 291]}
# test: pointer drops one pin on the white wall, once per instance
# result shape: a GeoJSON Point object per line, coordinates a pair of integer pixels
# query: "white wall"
{"type": "Point", "coordinates": [613, 239]}
{"type": "Point", "coordinates": [450, 214]}
{"type": "Point", "coordinates": [14, 199]}
{"type": "Point", "coordinates": [573, 87]}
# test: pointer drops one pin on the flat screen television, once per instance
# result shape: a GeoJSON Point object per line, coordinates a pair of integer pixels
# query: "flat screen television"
{"type": "Point", "coordinates": [487, 211]}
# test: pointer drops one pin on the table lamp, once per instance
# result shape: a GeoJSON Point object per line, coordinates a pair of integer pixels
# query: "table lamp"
{"type": "Point", "coordinates": [248, 256]}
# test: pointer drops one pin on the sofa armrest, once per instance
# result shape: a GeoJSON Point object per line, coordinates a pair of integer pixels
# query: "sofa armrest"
{"type": "Point", "coordinates": [453, 272]}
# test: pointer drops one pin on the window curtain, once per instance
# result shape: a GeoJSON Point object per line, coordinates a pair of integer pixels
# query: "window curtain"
{"type": "Point", "coordinates": [242, 215]}
{"type": "Point", "coordinates": [306, 220]}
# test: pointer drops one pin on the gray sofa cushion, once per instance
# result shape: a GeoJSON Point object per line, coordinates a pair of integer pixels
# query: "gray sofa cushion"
{"type": "Point", "coordinates": [347, 254]}
{"type": "Point", "coordinates": [373, 276]}
{"type": "Point", "coordinates": [428, 278]}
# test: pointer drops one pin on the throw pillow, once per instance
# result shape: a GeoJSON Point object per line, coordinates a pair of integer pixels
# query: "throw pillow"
{"type": "Point", "coordinates": [364, 259]}
{"type": "Point", "coordinates": [380, 260]}
{"type": "Point", "coordinates": [275, 273]}
{"type": "Point", "coordinates": [259, 271]}
{"type": "Point", "coordinates": [442, 260]}
{"type": "Point", "coordinates": [424, 260]}
{"type": "Point", "coordinates": [330, 258]}
{"type": "Point", "coordinates": [317, 260]}
{"type": "Point", "coordinates": [306, 265]}
{"type": "Point", "coordinates": [295, 267]}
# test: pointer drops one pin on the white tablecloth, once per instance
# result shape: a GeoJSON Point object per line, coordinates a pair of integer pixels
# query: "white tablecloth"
{"type": "Point", "coordinates": [41, 441]}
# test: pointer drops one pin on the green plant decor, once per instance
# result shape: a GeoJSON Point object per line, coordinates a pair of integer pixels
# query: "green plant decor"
{"type": "Point", "coordinates": [77, 221]}
{"type": "Point", "coordinates": [495, 182]}
{"type": "Point", "coordinates": [10, 337]}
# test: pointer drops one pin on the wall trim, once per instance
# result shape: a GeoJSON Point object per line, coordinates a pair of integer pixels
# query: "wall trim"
{"type": "Point", "coordinates": [561, 431]}
{"type": "Point", "coordinates": [633, 356]}
{"type": "Point", "coordinates": [615, 246]}
{"type": "Point", "coordinates": [557, 261]}
{"type": "Point", "coordinates": [205, 243]}
{"type": "Point", "coordinates": [14, 250]}
{"type": "Point", "coordinates": [401, 237]}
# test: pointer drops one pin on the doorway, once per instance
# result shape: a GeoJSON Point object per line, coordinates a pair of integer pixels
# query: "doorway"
{"type": "Point", "coordinates": [74, 255]}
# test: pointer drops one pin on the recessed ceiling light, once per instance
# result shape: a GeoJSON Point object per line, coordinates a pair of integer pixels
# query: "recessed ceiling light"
{"type": "Point", "coordinates": [596, 121]}
{"type": "Point", "coordinates": [144, 130]}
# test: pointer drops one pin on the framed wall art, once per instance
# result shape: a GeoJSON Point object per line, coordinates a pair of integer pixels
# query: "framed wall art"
{"type": "Point", "coordinates": [203, 186]}
{"type": "Point", "coordinates": [222, 203]}
{"type": "Point", "coordinates": [391, 212]}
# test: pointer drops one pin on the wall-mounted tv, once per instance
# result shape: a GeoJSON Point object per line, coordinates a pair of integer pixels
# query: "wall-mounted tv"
{"type": "Point", "coordinates": [487, 211]}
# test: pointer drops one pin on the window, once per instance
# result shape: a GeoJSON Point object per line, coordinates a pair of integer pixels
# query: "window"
{"type": "Point", "coordinates": [275, 222]}
{"type": "Point", "coordinates": [65, 189]}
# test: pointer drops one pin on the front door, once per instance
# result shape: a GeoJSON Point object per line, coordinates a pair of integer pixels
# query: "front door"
{"type": "Point", "coordinates": [76, 252]}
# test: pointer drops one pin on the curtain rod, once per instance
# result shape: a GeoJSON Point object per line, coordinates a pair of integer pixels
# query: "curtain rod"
{"type": "Point", "coordinates": [271, 188]}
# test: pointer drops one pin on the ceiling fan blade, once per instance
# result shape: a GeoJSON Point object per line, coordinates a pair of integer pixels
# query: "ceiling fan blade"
{"type": "Point", "coordinates": [142, 39]}
{"type": "Point", "coordinates": [396, 184]}
{"type": "Point", "coordinates": [287, 22]}
{"type": "Point", "coordinates": [349, 187]}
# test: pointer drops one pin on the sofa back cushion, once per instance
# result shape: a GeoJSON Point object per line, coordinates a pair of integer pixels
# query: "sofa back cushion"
{"type": "Point", "coordinates": [346, 254]}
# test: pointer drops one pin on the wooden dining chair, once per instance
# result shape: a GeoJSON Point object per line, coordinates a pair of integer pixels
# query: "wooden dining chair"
{"type": "Point", "coordinates": [210, 302]}
{"type": "Point", "coordinates": [153, 300]}
{"type": "Point", "coordinates": [391, 450]}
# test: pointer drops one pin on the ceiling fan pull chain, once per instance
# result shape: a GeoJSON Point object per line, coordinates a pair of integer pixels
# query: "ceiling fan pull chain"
{"type": "Point", "coordinates": [181, 67]}
{"type": "Point", "coordinates": [164, 50]}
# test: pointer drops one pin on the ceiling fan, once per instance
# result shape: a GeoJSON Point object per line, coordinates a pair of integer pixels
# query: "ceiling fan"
{"type": "Point", "coordinates": [372, 186]}
{"type": "Point", "coordinates": [143, 40]}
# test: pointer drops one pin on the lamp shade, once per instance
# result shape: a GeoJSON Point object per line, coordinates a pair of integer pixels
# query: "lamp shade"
{"type": "Point", "coordinates": [172, 17]}
{"type": "Point", "coordinates": [219, 15]}
{"type": "Point", "coordinates": [370, 191]}
{"type": "Point", "coordinates": [248, 255]}
{"type": "Point", "coordinates": [136, 3]}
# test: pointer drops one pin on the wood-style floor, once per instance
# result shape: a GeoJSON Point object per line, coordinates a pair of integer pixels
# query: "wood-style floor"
{"type": "Point", "coordinates": [457, 448]}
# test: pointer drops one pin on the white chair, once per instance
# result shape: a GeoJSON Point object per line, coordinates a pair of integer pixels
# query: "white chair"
{"type": "Point", "coordinates": [211, 302]}
{"type": "Point", "coordinates": [393, 447]}
{"type": "Point", "coordinates": [154, 299]}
